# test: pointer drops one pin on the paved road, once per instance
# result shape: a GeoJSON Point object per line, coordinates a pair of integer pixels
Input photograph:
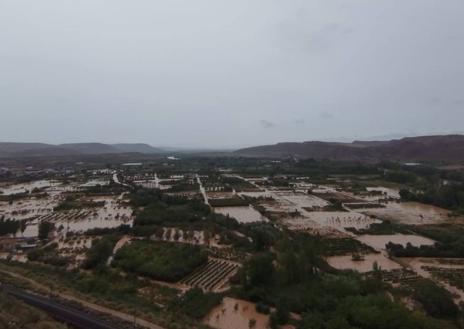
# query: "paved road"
{"type": "Point", "coordinates": [88, 305]}
{"type": "Point", "coordinates": [67, 314]}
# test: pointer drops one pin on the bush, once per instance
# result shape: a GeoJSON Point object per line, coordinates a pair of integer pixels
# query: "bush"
{"type": "Point", "coordinates": [263, 308]}
{"type": "Point", "coordinates": [160, 260]}
{"type": "Point", "coordinates": [44, 229]}
{"type": "Point", "coordinates": [195, 303]}
{"type": "Point", "coordinates": [437, 301]}
{"type": "Point", "coordinates": [100, 251]}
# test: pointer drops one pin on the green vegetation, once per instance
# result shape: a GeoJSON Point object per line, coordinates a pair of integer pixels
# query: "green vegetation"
{"type": "Point", "coordinates": [107, 286]}
{"type": "Point", "coordinates": [47, 255]}
{"type": "Point", "coordinates": [10, 226]}
{"type": "Point", "coordinates": [158, 260]}
{"type": "Point", "coordinates": [159, 209]}
{"type": "Point", "coordinates": [342, 246]}
{"type": "Point", "coordinates": [292, 280]}
{"type": "Point", "coordinates": [195, 303]}
{"type": "Point", "coordinates": [437, 301]}
{"type": "Point", "coordinates": [228, 202]}
{"type": "Point", "coordinates": [449, 197]}
{"type": "Point", "coordinates": [74, 202]}
{"type": "Point", "coordinates": [100, 251]}
{"type": "Point", "coordinates": [44, 229]}
{"type": "Point", "coordinates": [450, 242]}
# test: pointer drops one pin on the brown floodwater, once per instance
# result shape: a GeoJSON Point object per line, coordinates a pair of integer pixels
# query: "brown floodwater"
{"type": "Point", "coordinates": [366, 265]}
{"type": "Point", "coordinates": [302, 200]}
{"type": "Point", "coordinates": [242, 214]}
{"type": "Point", "coordinates": [378, 242]}
{"type": "Point", "coordinates": [235, 314]}
{"type": "Point", "coordinates": [417, 264]}
{"type": "Point", "coordinates": [27, 187]}
{"type": "Point", "coordinates": [413, 213]}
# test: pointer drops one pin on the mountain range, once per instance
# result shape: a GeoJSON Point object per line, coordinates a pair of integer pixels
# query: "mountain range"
{"type": "Point", "coordinates": [449, 148]}
{"type": "Point", "coordinates": [42, 149]}
{"type": "Point", "coordinates": [442, 148]}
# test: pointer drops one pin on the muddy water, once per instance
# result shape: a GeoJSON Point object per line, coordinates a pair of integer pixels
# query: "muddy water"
{"type": "Point", "coordinates": [341, 219]}
{"type": "Point", "coordinates": [95, 182]}
{"type": "Point", "coordinates": [27, 208]}
{"type": "Point", "coordinates": [27, 187]}
{"type": "Point", "coordinates": [235, 314]}
{"type": "Point", "coordinates": [31, 231]}
{"type": "Point", "coordinates": [366, 265]}
{"type": "Point", "coordinates": [409, 213]}
{"type": "Point", "coordinates": [417, 263]}
{"type": "Point", "coordinates": [302, 200]}
{"type": "Point", "coordinates": [256, 194]}
{"type": "Point", "coordinates": [330, 219]}
{"type": "Point", "coordinates": [378, 242]}
{"type": "Point", "coordinates": [242, 214]}
{"type": "Point", "coordinates": [110, 216]}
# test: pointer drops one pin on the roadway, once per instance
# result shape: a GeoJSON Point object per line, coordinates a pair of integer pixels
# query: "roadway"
{"type": "Point", "coordinates": [64, 313]}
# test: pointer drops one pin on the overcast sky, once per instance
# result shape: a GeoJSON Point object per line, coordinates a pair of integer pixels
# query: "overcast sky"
{"type": "Point", "coordinates": [232, 73]}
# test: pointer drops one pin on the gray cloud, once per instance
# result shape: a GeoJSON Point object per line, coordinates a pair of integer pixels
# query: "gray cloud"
{"type": "Point", "coordinates": [267, 124]}
{"type": "Point", "coordinates": [204, 73]}
{"type": "Point", "coordinates": [326, 115]}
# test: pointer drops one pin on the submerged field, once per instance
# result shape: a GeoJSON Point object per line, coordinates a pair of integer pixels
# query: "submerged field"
{"type": "Point", "coordinates": [242, 243]}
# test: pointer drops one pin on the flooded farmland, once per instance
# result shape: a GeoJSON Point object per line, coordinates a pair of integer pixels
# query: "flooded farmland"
{"type": "Point", "coordinates": [328, 219]}
{"type": "Point", "coordinates": [302, 200]}
{"type": "Point", "coordinates": [235, 314]}
{"type": "Point", "coordinates": [27, 187]}
{"type": "Point", "coordinates": [365, 265]}
{"type": "Point", "coordinates": [412, 213]}
{"type": "Point", "coordinates": [378, 242]}
{"type": "Point", "coordinates": [242, 214]}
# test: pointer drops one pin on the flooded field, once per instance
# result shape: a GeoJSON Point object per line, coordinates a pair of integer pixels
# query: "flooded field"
{"type": "Point", "coordinates": [412, 213]}
{"type": "Point", "coordinates": [262, 194]}
{"type": "Point", "coordinates": [341, 219]}
{"type": "Point", "coordinates": [74, 249]}
{"type": "Point", "coordinates": [423, 266]}
{"type": "Point", "coordinates": [378, 242]}
{"type": "Point", "coordinates": [27, 208]}
{"type": "Point", "coordinates": [278, 205]}
{"type": "Point", "coordinates": [242, 214]}
{"type": "Point", "coordinates": [178, 235]}
{"type": "Point", "coordinates": [26, 187]}
{"type": "Point", "coordinates": [111, 215]}
{"type": "Point", "coordinates": [235, 314]}
{"type": "Point", "coordinates": [219, 195]}
{"type": "Point", "coordinates": [329, 219]}
{"type": "Point", "coordinates": [363, 266]}
{"type": "Point", "coordinates": [95, 182]}
{"type": "Point", "coordinates": [302, 200]}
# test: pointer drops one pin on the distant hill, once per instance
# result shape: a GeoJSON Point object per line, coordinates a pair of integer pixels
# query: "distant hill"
{"type": "Point", "coordinates": [424, 148]}
{"type": "Point", "coordinates": [137, 148]}
{"type": "Point", "coordinates": [41, 149]}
